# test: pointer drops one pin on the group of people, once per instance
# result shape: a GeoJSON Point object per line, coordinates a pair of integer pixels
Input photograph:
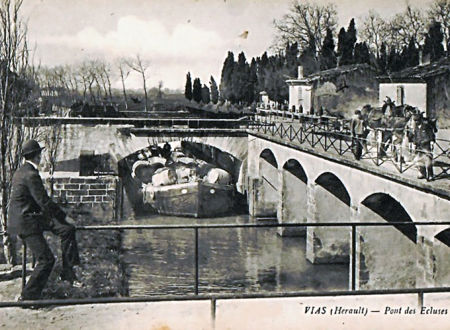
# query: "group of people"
{"type": "Point", "coordinates": [404, 128]}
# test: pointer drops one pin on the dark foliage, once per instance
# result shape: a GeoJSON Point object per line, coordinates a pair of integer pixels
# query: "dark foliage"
{"type": "Point", "coordinates": [341, 44]}
{"type": "Point", "coordinates": [382, 60]}
{"type": "Point", "coordinates": [214, 90]}
{"type": "Point", "coordinates": [226, 90]}
{"type": "Point", "coordinates": [394, 61]}
{"type": "Point", "coordinates": [188, 87]}
{"type": "Point", "coordinates": [346, 44]}
{"type": "Point", "coordinates": [412, 55]}
{"type": "Point", "coordinates": [205, 95]}
{"type": "Point", "coordinates": [197, 90]}
{"type": "Point", "coordinates": [433, 42]}
{"type": "Point", "coordinates": [328, 56]}
{"type": "Point", "coordinates": [361, 53]}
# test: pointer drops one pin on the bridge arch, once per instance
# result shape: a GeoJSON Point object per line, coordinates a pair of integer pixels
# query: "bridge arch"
{"type": "Point", "coordinates": [331, 183]}
{"type": "Point", "coordinates": [294, 167]}
{"type": "Point", "coordinates": [332, 204]}
{"type": "Point", "coordinates": [390, 210]}
{"type": "Point", "coordinates": [269, 157]}
{"type": "Point", "coordinates": [441, 258]}
{"type": "Point", "coordinates": [444, 236]}
{"type": "Point", "coordinates": [293, 204]}
{"type": "Point", "coordinates": [385, 249]}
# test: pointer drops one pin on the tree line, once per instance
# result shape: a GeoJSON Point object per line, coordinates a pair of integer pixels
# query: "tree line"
{"type": "Point", "coordinates": [307, 35]}
{"type": "Point", "coordinates": [91, 80]}
{"type": "Point", "coordinates": [201, 93]}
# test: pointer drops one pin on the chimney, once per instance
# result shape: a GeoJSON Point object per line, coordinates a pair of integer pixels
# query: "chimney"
{"type": "Point", "coordinates": [300, 72]}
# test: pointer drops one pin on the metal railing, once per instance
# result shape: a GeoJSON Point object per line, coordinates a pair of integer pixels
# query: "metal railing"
{"type": "Point", "coordinates": [196, 228]}
{"type": "Point", "coordinates": [333, 135]}
{"type": "Point", "coordinates": [193, 123]}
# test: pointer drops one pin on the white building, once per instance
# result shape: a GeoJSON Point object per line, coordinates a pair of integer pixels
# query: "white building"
{"type": "Point", "coordinates": [300, 93]}
{"type": "Point", "coordinates": [264, 98]}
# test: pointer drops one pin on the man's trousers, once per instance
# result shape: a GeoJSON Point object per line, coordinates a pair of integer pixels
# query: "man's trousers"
{"type": "Point", "coordinates": [45, 259]}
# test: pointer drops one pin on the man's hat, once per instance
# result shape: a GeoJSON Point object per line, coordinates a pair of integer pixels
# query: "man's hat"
{"type": "Point", "coordinates": [30, 146]}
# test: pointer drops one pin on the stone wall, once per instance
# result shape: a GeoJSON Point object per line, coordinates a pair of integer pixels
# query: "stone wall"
{"type": "Point", "coordinates": [438, 101]}
{"type": "Point", "coordinates": [100, 196]}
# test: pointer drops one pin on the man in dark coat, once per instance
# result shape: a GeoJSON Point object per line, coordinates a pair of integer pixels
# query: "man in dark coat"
{"type": "Point", "coordinates": [357, 129]}
{"type": "Point", "coordinates": [30, 213]}
{"type": "Point", "coordinates": [423, 136]}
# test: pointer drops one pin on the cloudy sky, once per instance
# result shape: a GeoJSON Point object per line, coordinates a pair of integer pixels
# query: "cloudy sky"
{"type": "Point", "coordinates": [175, 36]}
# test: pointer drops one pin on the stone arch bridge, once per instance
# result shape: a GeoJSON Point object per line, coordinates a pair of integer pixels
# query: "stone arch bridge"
{"type": "Point", "coordinates": [295, 184]}
{"type": "Point", "coordinates": [298, 185]}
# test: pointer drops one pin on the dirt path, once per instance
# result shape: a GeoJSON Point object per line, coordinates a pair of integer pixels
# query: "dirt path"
{"type": "Point", "coordinates": [154, 316]}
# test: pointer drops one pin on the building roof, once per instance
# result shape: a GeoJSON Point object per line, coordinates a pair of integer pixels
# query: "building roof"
{"type": "Point", "coordinates": [419, 72]}
{"type": "Point", "coordinates": [332, 73]}
{"type": "Point", "coordinates": [339, 71]}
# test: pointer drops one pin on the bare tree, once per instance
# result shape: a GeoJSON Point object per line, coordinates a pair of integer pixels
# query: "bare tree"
{"type": "Point", "coordinates": [124, 72]}
{"type": "Point", "coordinates": [73, 82]}
{"type": "Point", "coordinates": [141, 67]}
{"type": "Point", "coordinates": [373, 31]}
{"type": "Point", "coordinates": [15, 101]}
{"type": "Point", "coordinates": [52, 143]}
{"type": "Point", "coordinates": [440, 12]}
{"type": "Point", "coordinates": [87, 80]}
{"type": "Point", "coordinates": [105, 76]}
{"type": "Point", "coordinates": [307, 24]}
{"type": "Point", "coordinates": [410, 24]}
{"type": "Point", "coordinates": [93, 67]}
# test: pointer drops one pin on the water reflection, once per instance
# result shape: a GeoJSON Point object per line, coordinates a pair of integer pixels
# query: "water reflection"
{"type": "Point", "coordinates": [239, 260]}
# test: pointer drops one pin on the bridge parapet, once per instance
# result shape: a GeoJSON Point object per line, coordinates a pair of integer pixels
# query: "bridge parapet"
{"type": "Point", "coordinates": [242, 122]}
{"type": "Point", "coordinates": [330, 137]}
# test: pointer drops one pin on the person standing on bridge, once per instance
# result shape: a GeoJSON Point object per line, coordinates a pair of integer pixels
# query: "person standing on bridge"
{"type": "Point", "coordinates": [357, 129]}
{"type": "Point", "coordinates": [30, 213]}
{"type": "Point", "coordinates": [424, 135]}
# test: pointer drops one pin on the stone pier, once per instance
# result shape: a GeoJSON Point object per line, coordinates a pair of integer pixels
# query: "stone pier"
{"type": "Point", "coordinates": [293, 203]}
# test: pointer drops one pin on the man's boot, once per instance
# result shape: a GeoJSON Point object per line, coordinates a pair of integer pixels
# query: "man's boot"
{"type": "Point", "coordinates": [430, 173]}
{"type": "Point", "coordinates": [422, 172]}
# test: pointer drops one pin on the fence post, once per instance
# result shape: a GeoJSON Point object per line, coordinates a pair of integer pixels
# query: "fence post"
{"type": "Point", "coordinates": [353, 276]}
{"type": "Point", "coordinates": [213, 313]}
{"type": "Point", "coordinates": [24, 264]}
{"type": "Point", "coordinates": [378, 148]}
{"type": "Point", "coordinates": [196, 261]}
{"type": "Point", "coordinates": [420, 296]}
{"type": "Point", "coordinates": [301, 133]}
{"type": "Point", "coordinates": [312, 134]}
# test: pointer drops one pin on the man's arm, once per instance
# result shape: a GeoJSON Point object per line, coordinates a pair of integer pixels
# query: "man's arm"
{"type": "Point", "coordinates": [39, 194]}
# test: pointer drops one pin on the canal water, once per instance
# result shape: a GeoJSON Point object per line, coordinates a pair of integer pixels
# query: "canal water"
{"type": "Point", "coordinates": [235, 260]}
